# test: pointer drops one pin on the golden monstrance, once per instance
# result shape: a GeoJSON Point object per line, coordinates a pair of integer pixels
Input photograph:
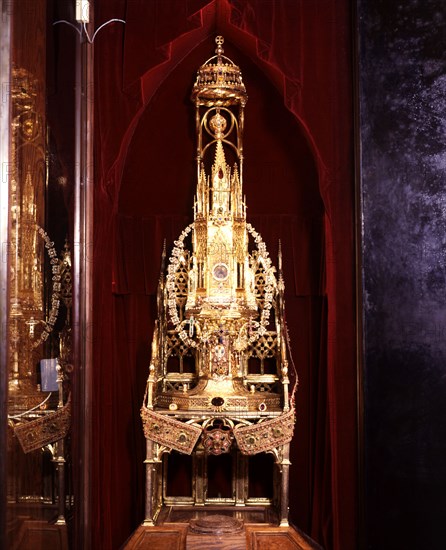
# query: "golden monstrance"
{"type": "Point", "coordinates": [211, 391]}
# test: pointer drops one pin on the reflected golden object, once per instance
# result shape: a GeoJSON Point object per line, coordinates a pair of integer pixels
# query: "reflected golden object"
{"type": "Point", "coordinates": [40, 283]}
{"type": "Point", "coordinates": [27, 251]}
{"type": "Point", "coordinates": [35, 301]}
{"type": "Point", "coordinates": [42, 431]}
{"type": "Point", "coordinates": [220, 325]}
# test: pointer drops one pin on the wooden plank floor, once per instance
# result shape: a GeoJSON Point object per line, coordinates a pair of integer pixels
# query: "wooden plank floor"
{"type": "Point", "coordinates": [259, 533]}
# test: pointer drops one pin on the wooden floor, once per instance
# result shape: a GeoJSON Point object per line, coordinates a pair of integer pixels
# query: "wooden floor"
{"type": "Point", "coordinates": [38, 534]}
{"type": "Point", "coordinates": [260, 532]}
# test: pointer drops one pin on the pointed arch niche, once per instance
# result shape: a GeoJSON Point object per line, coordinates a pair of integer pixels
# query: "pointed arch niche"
{"type": "Point", "coordinates": [284, 202]}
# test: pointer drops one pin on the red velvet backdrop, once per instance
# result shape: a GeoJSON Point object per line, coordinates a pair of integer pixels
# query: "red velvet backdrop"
{"type": "Point", "coordinates": [299, 186]}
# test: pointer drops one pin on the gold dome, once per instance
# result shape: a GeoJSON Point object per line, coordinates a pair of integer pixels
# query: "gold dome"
{"type": "Point", "coordinates": [219, 81]}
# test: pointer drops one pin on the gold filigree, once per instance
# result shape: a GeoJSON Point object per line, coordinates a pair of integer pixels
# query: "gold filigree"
{"type": "Point", "coordinates": [47, 429]}
{"type": "Point", "coordinates": [217, 437]}
{"type": "Point", "coordinates": [167, 431]}
{"type": "Point", "coordinates": [219, 81]}
{"type": "Point", "coordinates": [266, 435]}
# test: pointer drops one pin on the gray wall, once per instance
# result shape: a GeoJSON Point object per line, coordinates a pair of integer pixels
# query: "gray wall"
{"type": "Point", "coordinates": [403, 191]}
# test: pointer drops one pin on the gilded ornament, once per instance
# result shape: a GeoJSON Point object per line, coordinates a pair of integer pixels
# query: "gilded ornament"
{"type": "Point", "coordinates": [220, 310]}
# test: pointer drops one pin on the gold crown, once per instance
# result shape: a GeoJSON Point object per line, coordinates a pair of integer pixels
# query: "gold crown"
{"type": "Point", "coordinates": [219, 81]}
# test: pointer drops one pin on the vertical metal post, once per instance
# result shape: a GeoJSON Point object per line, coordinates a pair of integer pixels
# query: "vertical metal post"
{"type": "Point", "coordinates": [241, 473]}
{"type": "Point", "coordinates": [82, 289]}
{"type": "Point", "coordinates": [285, 486]}
{"type": "Point", "coordinates": [199, 476]}
{"type": "Point", "coordinates": [5, 86]}
{"type": "Point", "coordinates": [150, 483]}
{"type": "Point", "coordinates": [59, 459]}
{"type": "Point", "coordinates": [199, 138]}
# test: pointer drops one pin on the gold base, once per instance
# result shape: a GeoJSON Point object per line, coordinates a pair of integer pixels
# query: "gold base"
{"type": "Point", "coordinates": [226, 395]}
{"type": "Point", "coordinates": [216, 524]}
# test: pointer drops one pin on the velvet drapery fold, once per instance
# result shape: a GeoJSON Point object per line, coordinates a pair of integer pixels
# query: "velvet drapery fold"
{"type": "Point", "coordinates": [304, 49]}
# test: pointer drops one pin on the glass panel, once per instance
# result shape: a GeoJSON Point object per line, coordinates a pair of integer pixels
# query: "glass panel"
{"type": "Point", "coordinates": [39, 354]}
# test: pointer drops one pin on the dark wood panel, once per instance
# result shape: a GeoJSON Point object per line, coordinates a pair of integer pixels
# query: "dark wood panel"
{"type": "Point", "coordinates": [280, 538]}
{"type": "Point", "coordinates": [173, 534]}
{"type": "Point", "coordinates": [158, 538]}
{"type": "Point", "coordinates": [213, 542]}
{"type": "Point", "coordinates": [39, 535]}
{"type": "Point", "coordinates": [29, 43]}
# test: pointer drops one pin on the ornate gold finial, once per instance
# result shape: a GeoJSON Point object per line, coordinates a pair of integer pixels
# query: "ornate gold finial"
{"type": "Point", "coordinates": [219, 49]}
{"type": "Point", "coordinates": [219, 81]}
{"type": "Point", "coordinates": [218, 125]}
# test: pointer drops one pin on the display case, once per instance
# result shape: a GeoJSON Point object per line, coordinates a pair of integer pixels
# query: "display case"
{"type": "Point", "coordinates": [38, 156]}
